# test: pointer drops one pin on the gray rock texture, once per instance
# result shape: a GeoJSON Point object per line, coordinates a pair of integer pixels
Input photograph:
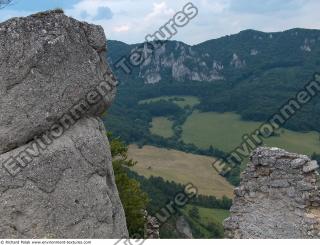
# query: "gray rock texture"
{"type": "Point", "coordinates": [184, 228]}
{"type": "Point", "coordinates": [152, 227]}
{"type": "Point", "coordinates": [48, 63]}
{"type": "Point", "coordinates": [68, 191]}
{"type": "Point", "coordinates": [56, 177]}
{"type": "Point", "coordinates": [278, 198]}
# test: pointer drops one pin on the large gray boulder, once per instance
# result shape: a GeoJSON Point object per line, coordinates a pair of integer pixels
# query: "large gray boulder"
{"type": "Point", "coordinates": [49, 62]}
{"type": "Point", "coordinates": [56, 175]}
{"type": "Point", "coordinates": [278, 198]}
{"type": "Point", "coordinates": [67, 191]}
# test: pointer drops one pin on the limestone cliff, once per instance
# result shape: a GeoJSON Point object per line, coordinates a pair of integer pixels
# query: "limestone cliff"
{"type": "Point", "coordinates": [56, 176]}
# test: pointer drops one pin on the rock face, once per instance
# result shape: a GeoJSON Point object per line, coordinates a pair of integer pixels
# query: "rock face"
{"type": "Point", "coordinates": [56, 176]}
{"type": "Point", "coordinates": [152, 227]}
{"type": "Point", "coordinates": [184, 228]}
{"type": "Point", "coordinates": [278, 198]}
{"type": "Point", "coordinates": [48, 63]}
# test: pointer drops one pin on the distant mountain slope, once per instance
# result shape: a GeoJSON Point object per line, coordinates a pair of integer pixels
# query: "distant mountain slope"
{"type": "Point", "coordinates": [250, 73]}
{"type": "Point", "coordinates": [248, 53]}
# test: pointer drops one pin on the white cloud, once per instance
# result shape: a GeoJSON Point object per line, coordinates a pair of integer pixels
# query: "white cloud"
{"type": "Point", "coordinates": [217, 6]}
{"type": "Point", "coordinates": [159, 10]}
{"type": "Point", "coordinates": [87, 9]}
{"type": "Point", "coordinates": [131, 20]}
{"type": "Point", "coordinates": [122, 28]}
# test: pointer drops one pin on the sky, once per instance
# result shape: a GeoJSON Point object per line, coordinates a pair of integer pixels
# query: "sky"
{"type": "Point", "coordinates": [131, 20]}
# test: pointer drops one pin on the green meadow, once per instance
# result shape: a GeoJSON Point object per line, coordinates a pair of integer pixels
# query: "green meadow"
{"type": "Point", "coordinates": [162, 126]}
{"type": "Point", "coordinates": [225, 131]}
{"type": "Point", "coordinates": [181, 101]}
{"type": "Point", "coordinates": [180, 167]}
{"type": "Point", "coordinates": [207, 216]}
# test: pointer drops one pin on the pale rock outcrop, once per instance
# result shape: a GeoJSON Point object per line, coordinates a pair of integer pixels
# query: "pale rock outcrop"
{"type": "Point", "coordinates": [68, 191]}
{"type": "Point", "coordinates": [236, 62]}
{"type": "Point", "coordinates": [176, 62]}
{"type": "Point", "coordinates": [152, 227]}
{"type": "Point", "coordinates": [183, 227]}
{"type": "Point", "coordinates": [48, 63]}
{"type": "Point", "coordinates": [278, 197]}
{"type": "Point", "coordinates": [56, 176]}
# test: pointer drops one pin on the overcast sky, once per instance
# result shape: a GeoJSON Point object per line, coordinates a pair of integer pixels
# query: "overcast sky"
{"type": "Point", "coordinates": [131, 20]}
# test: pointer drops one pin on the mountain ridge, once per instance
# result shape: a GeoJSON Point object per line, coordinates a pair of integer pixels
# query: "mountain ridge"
{"type": "Point", "coordinates": [228, 35]}
{"type": "Point", "coordinates": [226, 58]}
{"type": "Point", "coordinates": [243, 73]}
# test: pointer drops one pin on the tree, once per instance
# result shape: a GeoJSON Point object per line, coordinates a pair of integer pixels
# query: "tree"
{"type": "Point", "coordinates": [316, 157]}
{"type": "Point", "coordinates": [211, 150]}
{"type": "Point", "coordinates": [4, 3]}
{"type": "Point", "coordinates": [215, 229]}
{"type": "Point", "coordinates": [133, 199]}
{"type": "Point", "coordinates": [194, 213]}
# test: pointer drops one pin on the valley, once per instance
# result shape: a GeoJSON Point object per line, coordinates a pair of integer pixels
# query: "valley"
{"type": "Point", "coordinates": [162, 126]}
{"type": "Point", "coordinates": [189, 104]}
{"type": "Point", "coordinates": [124, 121]}
{"type": "Point", "coordinates": [181, 101]}
{"type": "Point", "coordinates": [180, 167]}
{"type": "Point", "coordinates": [206, 217]}
{"type": "Point", "coordinates": [224, 131]}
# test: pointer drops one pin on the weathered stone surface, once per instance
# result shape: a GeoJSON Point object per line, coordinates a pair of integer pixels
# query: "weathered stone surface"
{"type": "Point", "coordinates": [278, 198]}
{"type": "Point", "coordinates": [56, 176]}
{"type": "Point", "coordinates": [66, 192]}
{"type": "Point", "coordinates": [310, 166]}
{"type": "Point", "coordinates": [183, 227]}
{"type": "Point", "coordinates": [152, 227]}
{"type": "Point", "coordinates": [49, 62]}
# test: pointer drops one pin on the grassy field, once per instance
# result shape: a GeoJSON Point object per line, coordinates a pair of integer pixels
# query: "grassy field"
{"type": "Point", "coordinates": [162, 126]}
{"type": "Point", "coordinates": [180, 167]}
{"type": "Point", "coordinates": [225, 131]}
{"type": "Point", "coordinates": [206, 216]}
{"type": "Point", "coordinates": [181, 101]}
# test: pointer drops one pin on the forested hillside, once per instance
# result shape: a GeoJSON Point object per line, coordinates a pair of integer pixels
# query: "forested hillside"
{"type": "Point", "coordinates": [251, 73]}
